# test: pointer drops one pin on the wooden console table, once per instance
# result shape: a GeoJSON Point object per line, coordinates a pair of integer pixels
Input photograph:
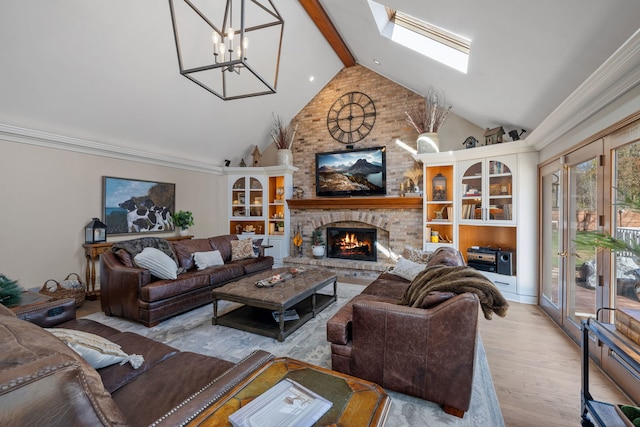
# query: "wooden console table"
{"type": "Point", "coordinates": [92, 251]}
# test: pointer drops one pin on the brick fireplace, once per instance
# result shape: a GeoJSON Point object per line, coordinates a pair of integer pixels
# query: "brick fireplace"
{"type": "Point", "coordinates": [396, 220]}
{"type": "Point", "coordinates": [352, 243]}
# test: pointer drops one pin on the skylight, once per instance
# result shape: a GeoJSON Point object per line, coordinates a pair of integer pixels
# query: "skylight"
{"type": "Point", "coordinates": [422, 37]}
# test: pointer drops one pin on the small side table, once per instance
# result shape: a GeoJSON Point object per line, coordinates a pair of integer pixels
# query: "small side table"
{"type": "Point", "coordinates": [91, 252]}
{"type": "Point", "coordinates": [44, 310]}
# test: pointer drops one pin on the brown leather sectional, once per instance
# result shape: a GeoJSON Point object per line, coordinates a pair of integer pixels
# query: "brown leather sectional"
{"type": "Point", "coordinates": [43, 382]}
{"type": "Point", "coordinates": [133, 293]}
{"type": "Point", "coordinates": [424, 352]}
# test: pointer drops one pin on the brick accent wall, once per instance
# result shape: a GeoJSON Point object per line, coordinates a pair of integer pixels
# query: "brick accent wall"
{"type": "Point", "coordinates": [402, 226]}
{"type": "Point", "coordinates": [391, 101]}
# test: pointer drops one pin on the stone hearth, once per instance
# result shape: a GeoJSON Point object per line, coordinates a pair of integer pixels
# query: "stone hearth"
{"type": "Point", "coordinates": [360, 272]}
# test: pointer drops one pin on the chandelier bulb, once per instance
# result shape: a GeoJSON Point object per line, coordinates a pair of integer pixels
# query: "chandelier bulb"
{"type": "Point", "coordinates": [230, 34]}
{"type": "Point", "coordinates": [216, 41]}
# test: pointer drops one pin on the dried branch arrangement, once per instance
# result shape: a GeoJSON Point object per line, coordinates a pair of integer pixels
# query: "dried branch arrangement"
{"type": "Point", "coordinates": [282, 134]}
{"type": "Point", "coordinates": [431, 115]}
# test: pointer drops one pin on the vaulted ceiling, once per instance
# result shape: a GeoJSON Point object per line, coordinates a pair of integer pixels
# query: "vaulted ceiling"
{"type": "Point", "coordinates": [106, 73]}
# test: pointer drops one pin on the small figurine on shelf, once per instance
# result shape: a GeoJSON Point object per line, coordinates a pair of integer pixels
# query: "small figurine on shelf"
{"type": "Point", "coordinates": [439, 214]}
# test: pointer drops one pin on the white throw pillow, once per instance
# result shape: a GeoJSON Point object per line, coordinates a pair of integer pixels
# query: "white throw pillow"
{"type": "Point", "coordinates": [207, 259]}
{"type": "Point", "coordinates": [96, 350]}
{"type": "Point", "coordinates": [157, 262]}
{"type": "Point", "coordinates": [407, 269]}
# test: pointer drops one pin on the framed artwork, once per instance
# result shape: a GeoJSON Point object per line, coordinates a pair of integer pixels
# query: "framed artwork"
{"type": "Point", "coordinates": [135, 206]}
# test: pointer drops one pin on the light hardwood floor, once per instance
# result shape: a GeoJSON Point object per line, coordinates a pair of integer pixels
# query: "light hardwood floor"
{"type": "Point", "coordinates": [535, 368]}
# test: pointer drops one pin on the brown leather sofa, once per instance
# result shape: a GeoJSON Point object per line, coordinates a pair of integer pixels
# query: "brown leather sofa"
{"type": "Point", "coordinates": [43, 382]}
{"type": "Point", "coordinates": [424, 352]}
{"type": "Point", "coordinates": [133, 293]}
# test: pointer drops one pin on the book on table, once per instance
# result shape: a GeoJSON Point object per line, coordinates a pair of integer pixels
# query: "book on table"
{"type": "Point", "coordinates": [286, 404]}
{"type": "Point", "coordinates": [290, 314]}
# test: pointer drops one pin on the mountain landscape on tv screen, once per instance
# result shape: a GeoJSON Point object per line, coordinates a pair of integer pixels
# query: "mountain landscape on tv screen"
{"type": "Point", "coordinates": [356, 177]}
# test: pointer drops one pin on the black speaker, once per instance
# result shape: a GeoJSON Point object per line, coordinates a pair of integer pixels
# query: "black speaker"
{"type": "Point", "coordinates": [505, 263]}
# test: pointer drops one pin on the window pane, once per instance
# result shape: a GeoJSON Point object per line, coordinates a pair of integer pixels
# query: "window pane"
{"type": "Point", "coordinates": [626, 221]}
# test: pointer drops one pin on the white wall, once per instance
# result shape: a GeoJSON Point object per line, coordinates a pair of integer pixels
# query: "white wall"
{"type": "Point", "coordinates": [48, 195]}
{"type": "Point", "coordinates": [623, 107]}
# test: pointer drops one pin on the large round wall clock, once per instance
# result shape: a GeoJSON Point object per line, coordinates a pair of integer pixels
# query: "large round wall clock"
{"type": "Point", "coordinates": [351, 117]}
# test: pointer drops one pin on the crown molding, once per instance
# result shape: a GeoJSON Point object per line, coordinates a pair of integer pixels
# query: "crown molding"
{"type": "Point", "coordinates": [617, 75]}
{"type": "Point", "coordinates": [50, 140]}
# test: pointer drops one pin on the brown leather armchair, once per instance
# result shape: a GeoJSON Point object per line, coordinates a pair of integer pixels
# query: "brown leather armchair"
{"type": "Point", "coordinates": [424, 352]}
{"type": "Point", "coordinates": [427, 353]}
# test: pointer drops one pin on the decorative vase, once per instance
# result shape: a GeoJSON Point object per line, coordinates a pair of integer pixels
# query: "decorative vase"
{"type": "Point", "coordinates": [183, 231]}
{"type": "Point", "coordinates": [285, 157]}
{"type": "Point", "coordinates": [428, 142]}
{"type": "Point", "coordinates": [318, 251]}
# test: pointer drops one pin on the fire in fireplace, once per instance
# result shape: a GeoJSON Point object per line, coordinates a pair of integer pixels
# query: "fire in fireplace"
{"type": "Point", "coordinates": [352, 243]}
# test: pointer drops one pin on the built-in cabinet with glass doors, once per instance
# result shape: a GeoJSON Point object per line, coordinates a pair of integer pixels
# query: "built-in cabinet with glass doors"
{"type": "Point", "coordinates": [258, 209]}
{"type": "Point", "coordinates": [489, 200]}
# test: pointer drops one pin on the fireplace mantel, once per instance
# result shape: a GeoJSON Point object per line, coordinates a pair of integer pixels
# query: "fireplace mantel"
{"type": "Point", "coordinates": [356, 203]}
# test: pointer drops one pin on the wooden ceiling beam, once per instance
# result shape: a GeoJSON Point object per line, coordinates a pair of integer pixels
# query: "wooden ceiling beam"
{"type": "Point", "coordinates": [319, 16]}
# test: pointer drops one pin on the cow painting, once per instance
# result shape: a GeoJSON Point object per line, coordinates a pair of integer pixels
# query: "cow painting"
{"type": "Point", "coordinates": [133, 206]}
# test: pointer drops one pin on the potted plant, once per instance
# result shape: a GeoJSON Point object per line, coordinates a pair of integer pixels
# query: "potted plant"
{"type": "Point", "coordinates": [183, 220]}
{"type": "Point", "coordinates": [616, 244]}
{"type": "Point", "coordinates": [10, 291]}
{"type": "Point", "coordinates": [427, 119]}
{"type": "Point", "coordinates": [318, 246]}
{"type": "Point", "coordinates": [283, 136]}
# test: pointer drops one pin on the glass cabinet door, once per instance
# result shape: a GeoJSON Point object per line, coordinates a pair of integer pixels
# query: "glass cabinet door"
{"type": "Point", "coordinates": [472, 186]}
{"type": "Point", "coordinates": [487, 192]}
{"type": "Point", "coordinates": [246, 198]}
{"type": "Point", "coordinates": [239, 198]}
{"type": "Point", "coordinates": [255, 198]}
{"type": "Point", "coordinates": [500, 192]}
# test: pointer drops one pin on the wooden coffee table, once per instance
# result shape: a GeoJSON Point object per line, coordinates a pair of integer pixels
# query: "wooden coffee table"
{"type": "Point", "coordinates": [356, 402]}
{"type": "Point", "coordinates": [298, 292]}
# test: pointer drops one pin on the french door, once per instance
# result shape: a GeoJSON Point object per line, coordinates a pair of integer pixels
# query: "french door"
{"type": "Point", "coordinates": [552, 254]}
{"type": "Point", "coordinates": [572, 207]}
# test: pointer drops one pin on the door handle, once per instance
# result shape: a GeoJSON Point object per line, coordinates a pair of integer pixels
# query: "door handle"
{"type": "Point", "coordinates": [562, 254]}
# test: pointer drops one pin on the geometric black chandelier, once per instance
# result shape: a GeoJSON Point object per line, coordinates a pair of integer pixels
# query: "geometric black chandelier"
{"type": "Point", "coordinates": [229, 47]}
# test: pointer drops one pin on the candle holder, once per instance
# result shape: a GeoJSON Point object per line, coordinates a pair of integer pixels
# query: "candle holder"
{"type": "Point", "coordinates": [439, 186]}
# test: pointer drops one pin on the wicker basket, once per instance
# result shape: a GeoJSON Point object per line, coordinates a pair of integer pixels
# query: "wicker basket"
{"type": "Point", "coordinates": [78, 294]}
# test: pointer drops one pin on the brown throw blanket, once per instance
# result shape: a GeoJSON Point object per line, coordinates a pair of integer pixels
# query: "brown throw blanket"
{"type": "Point", "coordinates": [458, 279]}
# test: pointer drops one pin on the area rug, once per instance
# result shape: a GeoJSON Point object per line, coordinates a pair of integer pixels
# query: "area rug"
{"type": "Point", "coordinates": [194, 332]}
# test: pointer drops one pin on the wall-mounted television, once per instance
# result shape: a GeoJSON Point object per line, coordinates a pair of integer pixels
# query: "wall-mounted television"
{"type": "Point", "coordinates": [357, 172]}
